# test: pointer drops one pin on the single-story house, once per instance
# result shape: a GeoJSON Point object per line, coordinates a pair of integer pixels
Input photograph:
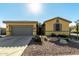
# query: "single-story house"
{"type": "Point", "coordinates": [57, 26]}
{"type": "Point", "coordinates": [21, 28]}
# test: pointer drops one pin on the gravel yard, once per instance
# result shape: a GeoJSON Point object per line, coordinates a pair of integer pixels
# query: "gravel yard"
{"type": "Point", "coordinates": [50, 49]}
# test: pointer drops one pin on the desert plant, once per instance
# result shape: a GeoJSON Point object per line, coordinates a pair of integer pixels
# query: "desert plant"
{"type": "Point", "coordinates": [45, 38]}
{"type": "Point", "coordinates": [62, 42]}
{"type": "Point", "coordinates": [67, 39]}
{"type": "Point", "coordinates": [37, 38]}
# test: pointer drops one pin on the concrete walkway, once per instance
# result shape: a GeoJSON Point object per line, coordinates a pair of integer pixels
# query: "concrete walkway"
{"type": "Point", "coordinates": [14, 45]}
{"type": "Point", "coordinates": [74, 34]}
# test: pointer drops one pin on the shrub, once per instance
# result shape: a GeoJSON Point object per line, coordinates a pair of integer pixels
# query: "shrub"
{"type": "Point", "coordinates": [62, 35]}
{"type": "Point", "coordinates": [37, 38]}
{"type": "Point", "coordinates": [45, 39]}
{"type": "Point", "coordinates": [67, 39]}
{"type": "Point", "coordinates": [53, 35]}
{"type": "Point", "coordinates": [74, 37]}
{"type": "Point", "coordinates": [63, 41]}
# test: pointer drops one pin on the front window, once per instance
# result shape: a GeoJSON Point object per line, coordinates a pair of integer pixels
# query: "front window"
{"type": "Point", "coordinates": [57, 27]}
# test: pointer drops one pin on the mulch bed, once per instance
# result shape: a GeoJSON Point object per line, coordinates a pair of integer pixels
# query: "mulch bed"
{"type": "Point", "coordinates": [50, 49]}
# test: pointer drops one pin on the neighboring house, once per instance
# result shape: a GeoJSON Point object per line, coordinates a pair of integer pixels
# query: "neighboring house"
{"type": "Point", "coordinates": [56, 25]}
{"type": "Point", "coordinates": [18, 28]}
{"type": "Point", "coordinates": [2, 31]}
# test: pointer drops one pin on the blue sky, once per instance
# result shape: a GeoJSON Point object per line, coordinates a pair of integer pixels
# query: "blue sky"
{"type": "Point", "coordinates": [20, 11]}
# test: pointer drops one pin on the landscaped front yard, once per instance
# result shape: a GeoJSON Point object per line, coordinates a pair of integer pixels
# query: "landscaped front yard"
{"type": "Point", "coordinates": [50, 49]}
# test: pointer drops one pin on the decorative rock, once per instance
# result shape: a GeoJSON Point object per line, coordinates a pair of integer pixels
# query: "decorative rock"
{"type": "Point", "coordinates": [63, 41]}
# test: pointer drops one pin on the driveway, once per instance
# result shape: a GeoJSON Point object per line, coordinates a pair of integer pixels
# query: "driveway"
{"type": "Point", "coordinates": [13, 45]}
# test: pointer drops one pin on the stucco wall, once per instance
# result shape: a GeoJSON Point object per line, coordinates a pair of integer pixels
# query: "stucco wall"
{"type": "Point", "coordinates": [49, 27]}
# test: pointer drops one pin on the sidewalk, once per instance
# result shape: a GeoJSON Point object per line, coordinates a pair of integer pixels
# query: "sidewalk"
{"type": "Point", "coordinates": [74, 34]}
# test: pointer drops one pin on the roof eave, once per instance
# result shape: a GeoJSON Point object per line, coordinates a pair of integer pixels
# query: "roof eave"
{"type": "Point", "coordinates": [60, 18]}
{"type": "Point", "coordinates": [20, 21]}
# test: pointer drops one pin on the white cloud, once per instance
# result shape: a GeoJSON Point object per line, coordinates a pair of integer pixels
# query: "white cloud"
{"type": "Point", "coordinates": [2, 25]}
{"type": "Point", "coordinates": [72, 24]}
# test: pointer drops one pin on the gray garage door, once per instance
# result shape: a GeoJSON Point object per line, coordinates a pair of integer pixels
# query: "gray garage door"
{"type": "Point", "coordinates": [22, 30]}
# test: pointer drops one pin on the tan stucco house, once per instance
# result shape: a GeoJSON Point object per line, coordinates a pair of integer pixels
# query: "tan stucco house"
{"type": "Point", "coordinates": [21, 27]}
{"type": "Point", "coordinates": [56, 25]}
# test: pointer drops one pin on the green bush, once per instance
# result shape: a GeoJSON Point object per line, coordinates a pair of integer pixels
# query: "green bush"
{"type": "Point", "coordinates": [62, 35]}
{"type": "Point", "coordinates": [52, 35]}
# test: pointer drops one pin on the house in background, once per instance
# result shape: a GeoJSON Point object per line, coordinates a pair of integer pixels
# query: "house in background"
{"type": "Point", "coordinates": [21, 28]}
{"type": "Point", "coordinates": [2, 31]}
{"type": "Point", "coordinates": [57, 26]}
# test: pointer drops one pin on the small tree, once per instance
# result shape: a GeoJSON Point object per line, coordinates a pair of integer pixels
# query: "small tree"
{"type": "Point", "coordinates": [40, 31]}
{"type": "Point", "coordinates": [77, 27]}
{"type": "Point", "coordinates": [71, 27]}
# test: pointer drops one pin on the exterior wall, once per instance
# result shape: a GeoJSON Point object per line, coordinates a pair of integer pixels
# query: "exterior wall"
{"type": "Point", "coordinates": [9, 25]}
{"type": "Point", "coordinates": [49, 27]}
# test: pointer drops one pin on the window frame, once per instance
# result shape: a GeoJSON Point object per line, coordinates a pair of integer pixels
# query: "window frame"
{"type": "Point", "coordinates": [60, 27]}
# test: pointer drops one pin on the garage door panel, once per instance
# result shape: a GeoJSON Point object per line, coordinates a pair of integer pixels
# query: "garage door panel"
{"type": "Point", "coordinates": [22, 30]}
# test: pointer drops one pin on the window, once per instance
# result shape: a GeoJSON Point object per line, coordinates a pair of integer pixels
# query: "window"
{"type": "Point", "coordinates": [57, 27]}
{"type": "Point", "coordinates": [57, 20]}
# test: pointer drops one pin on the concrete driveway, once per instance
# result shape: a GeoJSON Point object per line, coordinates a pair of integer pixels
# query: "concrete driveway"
{"type": "Point", "coordinates": [13, 45]}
